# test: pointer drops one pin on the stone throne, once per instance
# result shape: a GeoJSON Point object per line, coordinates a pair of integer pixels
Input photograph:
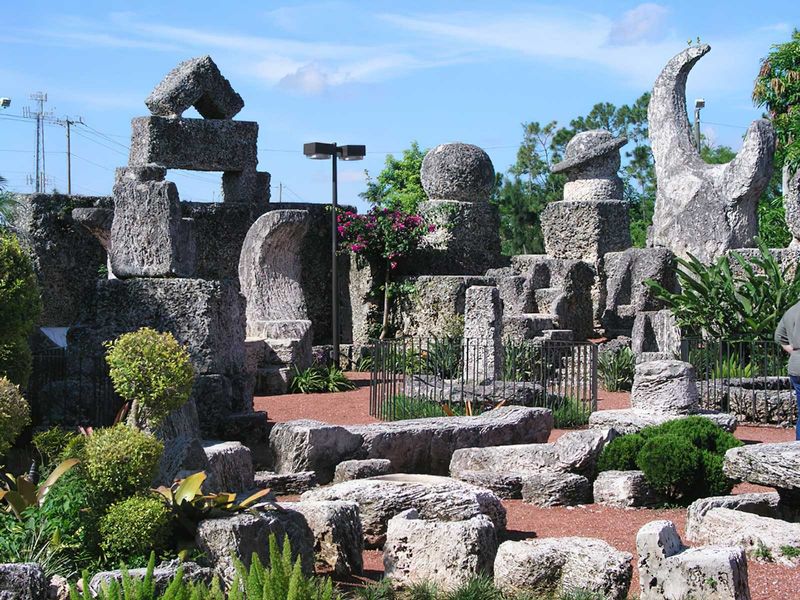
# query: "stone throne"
{"type": "Point", "coordinates": [162, 252]}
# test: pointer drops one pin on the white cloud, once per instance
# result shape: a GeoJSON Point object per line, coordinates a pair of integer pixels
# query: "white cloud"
{"type": "Point", "coordinates": [310, 79]}
{"type": "Point", "coordinates": [640, 24]}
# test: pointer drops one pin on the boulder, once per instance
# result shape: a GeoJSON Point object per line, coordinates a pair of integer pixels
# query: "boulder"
{"type": "Point", "coordinates": [286, 483]}
{"type": "Point", "coordinates": [338, 538]}
{"type": "Point", "coordinates": [306, 445]}
{"type": "Point", "coordinates": [195, 82]}
{"type": "Point", "coordinates": [163, 574]}
{"type": "Point", "coordinates": [427, 445]}
{"type": "Point", "coordinates": [773, 465]}
{"type": "Point", "coordinates": [457, 172]}
{"type": "Point", "coordinates": [629, 420]}
{"type": "Point", "coordinates": [22, 581]}
{"type": "Point", "coordinates": [444, 553]}
{"type": "Point", "coordinates": [669, 571]}
{"type": "Point", "coordinates": [434, 498]}
{"type": "Point", "coordinates": [623, 489]}
{"type": "Point", "coordinates": [665, 387]}
{"type": "Point", "coordinates": [230, 465]}
{"type": "Point", "coordinates": [556, 489]}
{"type": "Point", "coordinates": [361, 469]}
{"type": "Point", "coordinates": [242, 535]}
{"type": "Point", "coordinates": [504, 485]}
{"type": "Point", "coordinates": [550, 567]}
{"type": "Point", "coordinates": [760, 537]}
{"type": "Point", "coordinates": [762, 504]}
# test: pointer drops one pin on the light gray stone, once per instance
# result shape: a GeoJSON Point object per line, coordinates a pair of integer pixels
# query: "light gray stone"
{"type": "Point", "coordinates": [195, 82]}
{"type": "Point", "coordinates": [457, 171]}
{"type": "Point", "coordinates": [591, 161]}
{"type": "Point", "coordinates": [427, 445]}
{"type": "Point", "coordinates": [595, 228]}
{"type": "Point", "coordinates": [242, 535]}
{"type": "Point", "coordinates": [791, 203]}
{"type": "Point", "coordinates": [774, 465]}
{"type": "Point", "coordinates": [702, 209]}
{"type": "Point", "coordinates": [483, 333]}
{"type": "Point", "coordinates": [149, 237]}
{"type": "Point", "coordinates": [338, 538]}
{"type": "Point", "coordinates": [550, 567]}
{"type": "Point", "coordinates": [760, 537]}
{"type": "Point", "coordinates": [550, 488]}
{"type": "Point", "coordinates": [270, 269]}
{"type": "Point", "coordinates": [579, 451]}
{"type": "Point", "coordinates": [503, 485]}
{"type": "Point", "coordinates": [230, 464]}
{"type": "Point", "coordinates": [194, 144]}
{"type": "Point", "coordinates": [665, 387]}
{"type": "Point", "coordinates": [361, 469]}
{"type": "Point", "coordinates": [307, 445]}
{"type": "Point", "coordinates": [669, 571]}
{"type": "Point", "coordinates": [286, 483]}
{"type": "Point", "coordinates": [22, 581]}
{"type": "Point", "coordinates": [163, 574]}
{"type": "Point", "coordinates": [762, 504]}
{"type": "Point", "coordinates": [623, 489]}
{"type": "Point", "coordinates": [656, 332]}
{"type": "Point", "coordinates": [626, 421]}
{"type": "Point", "coordinates": [435, 498]}
{"type": "Point", "coordinates": [444, 553]}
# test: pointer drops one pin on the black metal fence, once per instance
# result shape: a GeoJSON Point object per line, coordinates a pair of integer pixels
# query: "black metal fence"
{"type": "Point", "coordinates": [418, 377]}
{"type": "Point", "coordinates": [69, 388]}
{"type": "Point", "coordinates": [745, 377]}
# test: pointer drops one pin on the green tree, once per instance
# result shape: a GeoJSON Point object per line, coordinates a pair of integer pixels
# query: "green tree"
{"type": "Point", "coordinates": [398, 185]}
{"type": "Point", "coordinates": [7, 203]}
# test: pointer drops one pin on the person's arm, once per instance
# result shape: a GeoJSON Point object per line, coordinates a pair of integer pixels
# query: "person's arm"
{"type": "Point", "coordinates": [782, 336]}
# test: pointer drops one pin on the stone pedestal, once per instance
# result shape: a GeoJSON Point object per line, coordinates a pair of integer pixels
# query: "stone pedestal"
{"type": "Point", "coordinates": [585, 230]}
{"type": "Point", "coordinates": [483, 328]}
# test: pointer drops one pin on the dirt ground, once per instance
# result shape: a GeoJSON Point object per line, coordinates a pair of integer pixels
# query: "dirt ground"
{"type": "Point", "coordinates": [618, 527]}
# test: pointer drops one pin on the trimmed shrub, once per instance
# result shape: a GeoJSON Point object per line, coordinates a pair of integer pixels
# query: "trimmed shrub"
{"type": "Point", "coordinates": [133, 528]}
{"type": "Point", "coordinates": [15, 414]}
{"type": "Point", "coordinates": [121, 460]}
{"type": "Point", "coordinates": [20, 303]}
{"type": "Point", "coordinates": [714, 480]}
{"type": "Point", "coordinates": [702, 432]}
{"type": "Point", "coordinates": [620, 454]}
{"type": "Point", "coordinates": [151, 369]}
{"type": "Point", "coordinates": [51, 443]}
{"type": "Point", "coordinates": [671, 464]}
{"type": "Point", "coordinates": [75, 448]}
{"type": "Point", "coordinates": [16, 360]}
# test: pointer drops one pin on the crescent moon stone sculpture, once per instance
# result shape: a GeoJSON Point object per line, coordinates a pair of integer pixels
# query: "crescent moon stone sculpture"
{"type": "Point", "coordinates": [702, 209]}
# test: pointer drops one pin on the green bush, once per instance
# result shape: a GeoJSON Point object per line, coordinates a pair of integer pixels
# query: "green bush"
{"type": "Point", "coordinates": [671, 464]}
{"type": "Point", "coordinates": [51, 443]}
{"type": "Point", "coordinates": [152, 370]}
{"type": "Point", "coordinates": [135, 527]}
{"type": "Point", "coordinates": [15, 414]}
{"type": "Point", "coordinates": [121, 461]}
{"type": "Point", "coordinates": [700, 431]}
{"type": "Point", "coordinates": [620, 454]}
{"type": "Point", "coordinates": [617, 369]}
{"type": "Point", "coordinates": [570, 413]}
{"type": "Point", "coordinates": [16, 360]}
{"type": "Point", "coordinates": [20, 303]}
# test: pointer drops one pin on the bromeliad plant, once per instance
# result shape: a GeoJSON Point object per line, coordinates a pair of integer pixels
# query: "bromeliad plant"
{"type": "Point", "coordinates": [385, 237]}
{"type": "Point", "coordinates": [21, 493]}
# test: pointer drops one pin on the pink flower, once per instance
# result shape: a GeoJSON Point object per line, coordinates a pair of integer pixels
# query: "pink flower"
{"type": "Point", "coordinates": [393, 264]}
{"type": "Point", "coordinates": [357, 247]}
{"type": "Point", "coordinates": [431, 228]}
{"type": "Point", "coordinates": [340, 229]}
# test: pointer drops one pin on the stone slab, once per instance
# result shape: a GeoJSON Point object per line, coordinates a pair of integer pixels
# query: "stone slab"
{"type": "Point", "coordinates": [361, 469]}
{"type": "Point", "coordinates": [230, 464]}
{"type": "Point", "coordinates": [626, 421]}
{"type": "Point", "coordinates": [286, 483]}
{"type": "Point", "coordinates": [556, 489]}
{"type": "Point", "coordinates": [623, 489]}
{"type": "Point", "coordinates": [585, 230]}
{"type": "Point", "coordinates": [773, 465]}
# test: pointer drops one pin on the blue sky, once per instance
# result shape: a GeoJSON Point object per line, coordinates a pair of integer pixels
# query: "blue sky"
{"type": "Point", "coordinates": [376, 73]}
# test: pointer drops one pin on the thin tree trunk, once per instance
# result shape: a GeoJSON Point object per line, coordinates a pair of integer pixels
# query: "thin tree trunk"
{"type": "Point", "coordinates": [385, 324]}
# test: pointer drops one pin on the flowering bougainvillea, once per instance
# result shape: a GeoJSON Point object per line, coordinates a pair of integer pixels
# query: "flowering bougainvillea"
{"type": "Point", "coordinates": [381, 235]}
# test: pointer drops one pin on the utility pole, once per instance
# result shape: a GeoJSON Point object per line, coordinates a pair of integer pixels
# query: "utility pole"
{"type": "Point", "coordinates": [40, 175]}
{"type": "Point", "coordinates": [67, 122]}
{"type": "Point", "coordinates": [698, 104]}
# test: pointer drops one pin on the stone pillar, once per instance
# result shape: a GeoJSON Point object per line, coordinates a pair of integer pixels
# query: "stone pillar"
{"type": "Point", "coordinates": [483, 344]}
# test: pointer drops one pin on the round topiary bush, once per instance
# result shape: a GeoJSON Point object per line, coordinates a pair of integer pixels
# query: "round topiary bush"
{"type": "Point", "coordinates": [670, 464]}
{"type": "Point", "coordinates": [620, 454]}
{"type": "Point", "coordinates": [133, 528]}
{"type": "Point", "coordinates": [152, 371]}
{"type": "Point", "coordinates": [121, 460]}
{"type": "Point", "coordinates": [15, 414]}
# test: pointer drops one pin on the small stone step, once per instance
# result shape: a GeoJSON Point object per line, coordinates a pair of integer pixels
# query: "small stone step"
{"type": "Point", "coordinates": [546, 298]}
{"type": "Point", "coordinates": [558, 335]}
{"type": "Point", "coordinates": [286, 483]}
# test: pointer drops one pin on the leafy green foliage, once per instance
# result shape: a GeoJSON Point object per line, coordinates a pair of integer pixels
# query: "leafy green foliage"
{"type": "Point", "coordinates": [790, 551]}
{"type": "Point", "coordinates": [16, 359]}
{"type": "Point", "coordinates": [616, 368]}
{"type": "Point", "coordinates": [777, 88]}
{"type": "Point", "coordinates": [569, 413]}
{"type": "Point", "coordinates": [398, 185]}
{"type": "Point", "coordinates": [33, 538]}
{"type": "Point", "coordinates": [51, 443]}
{"type": "Point", "coordinates": [682, 459]}
{"type": "Point", "coordinates": [718, 303]}
{"type": "Point", "coordinates": [444, 357]}
{"type": "Point", "coordinates": [15, 414]}
{"type": "Point", "coordinates": [134, 527]}
{"type": "Point", "coordinates": [121, 460]}
{"type": "Point", "coordinates": [317, 379]}
{"type": "Point", "coordinates": [477, 588]}
{"type": "Point", "coordinates": [152, 370]}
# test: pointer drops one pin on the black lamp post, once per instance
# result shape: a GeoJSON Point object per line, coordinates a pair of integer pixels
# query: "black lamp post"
{"type": "Point", "coordinates": [322, 151]}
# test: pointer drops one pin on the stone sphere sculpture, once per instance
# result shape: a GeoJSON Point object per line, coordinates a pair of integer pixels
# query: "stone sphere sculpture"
{"type": "Point", "coordinates": [457, 172]}
{"type": "Point", "coordinates": [591, 162]}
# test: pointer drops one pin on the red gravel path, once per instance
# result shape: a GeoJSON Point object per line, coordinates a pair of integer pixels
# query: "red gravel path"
{"type": "Point", "coordinates": [616, 526]}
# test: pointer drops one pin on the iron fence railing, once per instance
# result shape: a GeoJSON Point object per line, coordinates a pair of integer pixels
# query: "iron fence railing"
{"type": "Point", "coordinates": [69, 388]}
{"type": "Point", "coordinates": [416, 377]}
{"type": "Point", "coordinates": [745, 377]}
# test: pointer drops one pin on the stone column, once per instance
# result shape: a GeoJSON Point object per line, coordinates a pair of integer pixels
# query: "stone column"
{"type": "Point", "coordinates": [483, 344]}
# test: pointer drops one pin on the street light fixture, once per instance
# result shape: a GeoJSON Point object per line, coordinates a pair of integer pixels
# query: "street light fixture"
{"type": "Point", "coordinates": [699, 103]}
{"type": "Point", "coordinates": [322, 151]}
